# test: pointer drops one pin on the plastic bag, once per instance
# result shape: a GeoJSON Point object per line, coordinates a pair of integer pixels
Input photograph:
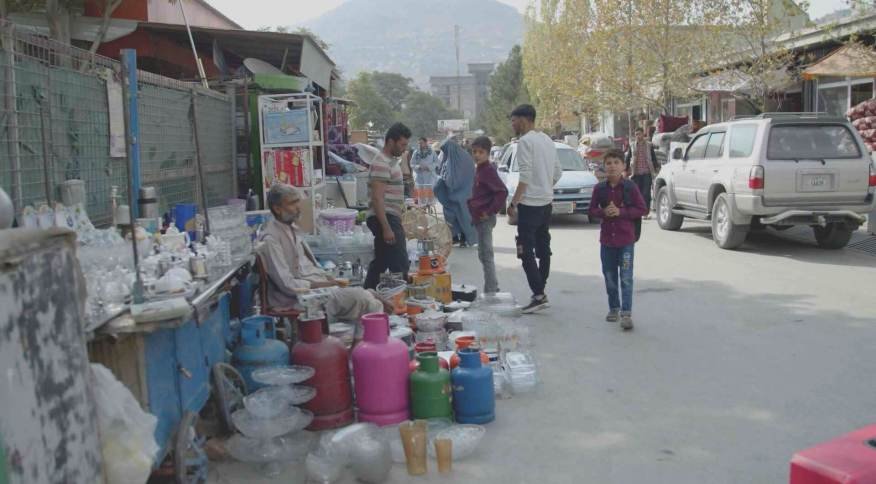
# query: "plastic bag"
{"type": "Point", "coordinates": [127, 432]}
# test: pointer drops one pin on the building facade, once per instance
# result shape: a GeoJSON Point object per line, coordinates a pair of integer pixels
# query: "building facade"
{"type": "Point", "coordinates": [466, 94]}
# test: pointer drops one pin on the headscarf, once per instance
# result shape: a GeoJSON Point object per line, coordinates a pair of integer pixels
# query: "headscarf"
{"type": "Point", "coordinates": [459, 168]}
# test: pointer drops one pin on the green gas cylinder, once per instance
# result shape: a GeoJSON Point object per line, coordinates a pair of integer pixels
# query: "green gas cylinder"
{"type": "Point", "coordinates": [430, 389]}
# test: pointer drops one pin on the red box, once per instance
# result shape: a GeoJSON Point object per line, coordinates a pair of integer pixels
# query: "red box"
{"type": "Point", "coordinates": [850, 459]}
{"type": "Point", "coordinates": [285, 165]}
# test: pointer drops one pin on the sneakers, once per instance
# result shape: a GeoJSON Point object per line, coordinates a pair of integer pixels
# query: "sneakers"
{"type": "Point", "coordinates": [537, 304]}
{"type": "Point", "coordinates": [613, 316]}
{"type": "Point", "coordinates": [626, 320]}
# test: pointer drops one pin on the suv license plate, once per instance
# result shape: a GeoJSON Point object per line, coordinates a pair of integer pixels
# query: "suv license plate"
{"type": "Point", "coordinates": [564, 208]}
{"type": "Point", "coordinates": [817, 183]}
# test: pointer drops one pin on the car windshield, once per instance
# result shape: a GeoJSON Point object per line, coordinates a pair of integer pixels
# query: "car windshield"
{"type": "Point", "coordinates": [570, 160]}
{"type": "Point", "coordinates": [812, 142]}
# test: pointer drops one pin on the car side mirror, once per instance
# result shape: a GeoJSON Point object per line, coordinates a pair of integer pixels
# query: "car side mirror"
{"type": "Point", "coordinates": [504, 168]}
{"type": "Point", "coordinates": [677, 154]}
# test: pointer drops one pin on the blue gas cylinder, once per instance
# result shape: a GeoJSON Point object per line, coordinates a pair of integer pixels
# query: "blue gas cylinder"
{"type": "Point", "coordinates": [257, 349]}
{"type": "Point", "coordinates": [474, 401]}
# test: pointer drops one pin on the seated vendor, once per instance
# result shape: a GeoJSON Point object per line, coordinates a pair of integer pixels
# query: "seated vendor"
{"type": "Point", "coordinates": [292, 269]}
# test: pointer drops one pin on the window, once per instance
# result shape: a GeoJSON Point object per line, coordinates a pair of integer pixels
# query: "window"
{"type": "Point", "coordinates": [742, 140]}
{"type": "Point", "coordinates": [811, 142]}
{"type": "Point", "coordinates": [833, 100]}
{"type": "Point", "coordinates": [861, 92]}
{"type": "Point", "coordinates": [697, 150]}
{"type": "Point", "coordinates": [715, 147]}
{"type": "Point", "coordinates": [570, 160]}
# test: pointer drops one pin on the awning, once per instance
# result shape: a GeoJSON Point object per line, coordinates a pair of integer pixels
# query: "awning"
{"type": "Point", "coordinates": [294, 53]}
{"type": "Point", "coordinates": [734, 81]}
{"type": "Point", "coordinates": [853, 60]}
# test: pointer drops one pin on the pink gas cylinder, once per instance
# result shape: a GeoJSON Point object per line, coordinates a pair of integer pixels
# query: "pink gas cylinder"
{"type": "Point", "coordinates": [380, 371]}
{"type": "Point", "coordinates": [849, 459]}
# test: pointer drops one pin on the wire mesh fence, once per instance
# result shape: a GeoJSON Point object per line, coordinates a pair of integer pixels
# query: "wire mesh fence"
{"type": "Point", "coordinates": [55, 126]}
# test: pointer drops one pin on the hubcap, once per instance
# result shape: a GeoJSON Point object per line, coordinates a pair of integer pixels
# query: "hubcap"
{"type": "Point", "coordinates": [722, 221]}
{"type": "Point", "coordinates": [663, 209]}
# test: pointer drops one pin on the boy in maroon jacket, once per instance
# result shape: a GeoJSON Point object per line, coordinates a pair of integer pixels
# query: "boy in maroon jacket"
{"type": "Point", "coordinates": [488, 197]}
{"type": "Point", "coordinates": [618, 202]}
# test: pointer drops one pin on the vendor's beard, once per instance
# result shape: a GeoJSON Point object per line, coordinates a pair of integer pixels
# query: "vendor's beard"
{"type": "Point", "coordinates": [289, 219]}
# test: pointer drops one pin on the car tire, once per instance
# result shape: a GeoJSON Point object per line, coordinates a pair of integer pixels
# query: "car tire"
{"type": "Point", "coordinates": [833, 236]}
{"type": "Point", "coordinates": [725, 233]}
{"type": "Point", "coordinates": [665, 218]}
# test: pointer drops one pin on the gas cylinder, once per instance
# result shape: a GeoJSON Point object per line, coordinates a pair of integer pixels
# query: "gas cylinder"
{"type": "Point", "coordinates": [257, 349]}
{"type": "Point", "coordinates": [465, 342]}
{"type": "Point", "coordinates": [430, 389]}
{"type": "Point", "coordinates": [426, 347]}
{"type": "Point", "coordinates": [380, 369]}
{"type": "Point", "coordinates": [333, 405]}
{"type": "Point", "coordinates": [474, 400]}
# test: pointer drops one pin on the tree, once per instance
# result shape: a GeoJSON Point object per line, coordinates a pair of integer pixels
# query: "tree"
{"type": "Point", "coordinates": [392, 87]}
{"type": "Point", "coordinates": [370, 105]}
{"type": "Point", "coordinates": [421, 112]}
{"type": "Point", "coordinates": [507, 91]}
{"type": "Point", "coordinates": [107, 9]}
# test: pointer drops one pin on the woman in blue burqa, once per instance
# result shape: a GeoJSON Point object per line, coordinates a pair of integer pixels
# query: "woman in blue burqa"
{"type": "Point", "coordinates": [453, 189]}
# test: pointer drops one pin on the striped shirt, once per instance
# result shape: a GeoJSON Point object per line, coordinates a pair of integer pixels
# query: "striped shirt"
{"type": "Point", "coordinates": [388, 170]}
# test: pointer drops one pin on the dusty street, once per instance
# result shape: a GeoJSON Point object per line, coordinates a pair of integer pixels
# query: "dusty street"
{"type": "Point", "coordinates": [738, 359]}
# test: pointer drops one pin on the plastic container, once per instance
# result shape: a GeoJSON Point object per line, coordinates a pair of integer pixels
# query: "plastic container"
{"type": "Point", "coordinates": [380, 368]}
{"type": "Point", "coordinates": [257, 350]}
{"type": "Point", "coordinates": [474, 399]}
{"type": "Point", "coordinates": [465, 439]}
{"type": "Point", "coordinates": [339, 220]}
{"type": "Point", "coordinates": [333, 405]}
{"type": "Point", "coordinates": [430, 389]}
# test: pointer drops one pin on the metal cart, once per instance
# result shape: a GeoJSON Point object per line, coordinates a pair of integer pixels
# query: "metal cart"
{"type": "Point", "coordinates": [172, 368]}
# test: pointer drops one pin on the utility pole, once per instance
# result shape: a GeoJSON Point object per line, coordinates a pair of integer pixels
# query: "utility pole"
{"type": "Point", "coordinates": [458, 78]}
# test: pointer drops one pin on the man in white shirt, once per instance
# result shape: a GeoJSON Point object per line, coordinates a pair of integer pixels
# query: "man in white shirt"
{"type": "Point", "coordinates": [540, 170]}
{"type": "Point", "coordinates": [293, 270]}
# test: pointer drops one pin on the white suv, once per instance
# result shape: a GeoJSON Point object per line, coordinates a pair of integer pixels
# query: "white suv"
{"type": "Point", "coordinates": [777, 170]}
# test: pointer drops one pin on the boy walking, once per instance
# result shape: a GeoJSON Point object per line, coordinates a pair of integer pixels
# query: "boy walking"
{"type": "Point", "coordinates": [618, 202]}
{"type": "Point", "coordinates": [488, 197]}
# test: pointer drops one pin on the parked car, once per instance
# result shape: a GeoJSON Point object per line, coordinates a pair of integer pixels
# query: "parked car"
{"type": "Point", "coordinates": [774, 170]}
{"type": "Point", "coordinates": [495, 154]}
{"type": "Point", "coordinates": [571, 194]}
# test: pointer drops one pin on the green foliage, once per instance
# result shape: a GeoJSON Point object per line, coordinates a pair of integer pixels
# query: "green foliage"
{"type": "Point", "coordinates": [507, 90]}
{"type": "Point", "coordinates": [370, 105]}
{"type": "Point", "coordinates": [422, 111]}
{"type": "Point", "coordinates": [392, 87]}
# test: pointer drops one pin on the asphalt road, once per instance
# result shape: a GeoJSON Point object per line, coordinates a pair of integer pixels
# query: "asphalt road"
{"type": "Point", "coordinates": [738, 360]}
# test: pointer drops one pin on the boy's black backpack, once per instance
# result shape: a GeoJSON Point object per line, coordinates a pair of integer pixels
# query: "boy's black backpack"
{"type": "Point", "coordinates": [600, 197]}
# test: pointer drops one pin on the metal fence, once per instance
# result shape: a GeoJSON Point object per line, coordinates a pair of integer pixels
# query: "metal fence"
{"type": "Point", "coordinates": [55, 126]}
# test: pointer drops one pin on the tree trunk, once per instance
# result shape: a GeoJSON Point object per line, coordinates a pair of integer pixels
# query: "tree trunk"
{"type": "Point", "coordinates": [58, 16]}
{"type": "Point", "coordinates": [108, 8]}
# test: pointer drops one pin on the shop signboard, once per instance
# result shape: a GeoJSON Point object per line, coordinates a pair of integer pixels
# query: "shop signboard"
{"type": "Point", "coordinates": [448, 125]}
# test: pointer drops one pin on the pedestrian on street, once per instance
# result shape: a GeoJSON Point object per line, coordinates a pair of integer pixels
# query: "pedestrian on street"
{"type": "Point", "coordinates": [407, 173]}
{"type": "Point", "coordinates": [487, 199]}
{"type": "Point", "coordinates": [424, 162]}
{"type": "Point", "coordinates": [642, 166]}
{"type": "Point", "coordinates": [540, 170]}
{"type": "Point", "coordinates": [618, 203]}
{"type": "Point", "coordinates": [386, 183]}
{"type": "Point", "coordinates": [453, 189]}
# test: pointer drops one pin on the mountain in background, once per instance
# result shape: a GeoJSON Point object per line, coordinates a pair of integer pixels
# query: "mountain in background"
{"type": "Point", "coordinates": [415, 37]}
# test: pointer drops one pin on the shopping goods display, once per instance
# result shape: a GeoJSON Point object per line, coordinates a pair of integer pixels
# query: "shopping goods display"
{"type": "Point", "coordinates": [430, 389]}
{"type": "Point", "coordinates": [415, 442]}
{"type": "Point", "coordinates": [380, 369]}
{"type": "Point", "coordinates": [258, 349]}
{"type": "Point", "coordinates": [474, 401]}
{"type": "Point", "coordinates": [465, 439]}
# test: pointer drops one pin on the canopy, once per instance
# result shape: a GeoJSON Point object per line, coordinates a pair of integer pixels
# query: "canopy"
{"type": "Point", "coordinates": [853, 60]}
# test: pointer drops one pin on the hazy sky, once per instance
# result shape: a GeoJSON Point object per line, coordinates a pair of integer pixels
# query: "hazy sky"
{"type": "Point", "coordinates": [253, 14]}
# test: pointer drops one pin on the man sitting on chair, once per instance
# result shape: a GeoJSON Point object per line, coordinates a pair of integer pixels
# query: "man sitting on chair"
{"type": "Point", "coordinates": [292, 269]}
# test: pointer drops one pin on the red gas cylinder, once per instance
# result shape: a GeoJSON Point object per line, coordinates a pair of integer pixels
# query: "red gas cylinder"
{"type": "Point", "coordinates": [850, 459]}
{"type": "Point", "coordinates": [333, 405]}
{"type": "Point", "coordinates": [466, 342]}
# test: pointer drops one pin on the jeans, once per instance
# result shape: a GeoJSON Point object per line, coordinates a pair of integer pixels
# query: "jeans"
{"type": "Point", "coordinates": [393, 257]}
{"type": "Point", "coordinates": [617, 262]}
{"type": "Point", "coordinates": [485, 253]}
{"type": "Point", "coordinates": [534, 242]}
{"type": "Point", "coordinates": [644, 183]}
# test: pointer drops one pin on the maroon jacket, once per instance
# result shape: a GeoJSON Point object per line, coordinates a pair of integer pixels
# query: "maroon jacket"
{"type": "Point", "coordinates": [489, 194]}
{"type": "Point", "coordinates": [617, 231]}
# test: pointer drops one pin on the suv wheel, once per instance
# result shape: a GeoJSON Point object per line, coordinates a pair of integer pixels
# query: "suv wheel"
{"type": "Point", "coordinates": [724, 232]}
{"type": "Point", "coordinates": [833, 236]}
{"type": "Point", "coordinates": [665, 218]}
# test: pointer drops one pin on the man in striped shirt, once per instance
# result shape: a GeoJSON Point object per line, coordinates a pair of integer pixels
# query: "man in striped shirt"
{"type": "Point", "coordinates": [387, 204]}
